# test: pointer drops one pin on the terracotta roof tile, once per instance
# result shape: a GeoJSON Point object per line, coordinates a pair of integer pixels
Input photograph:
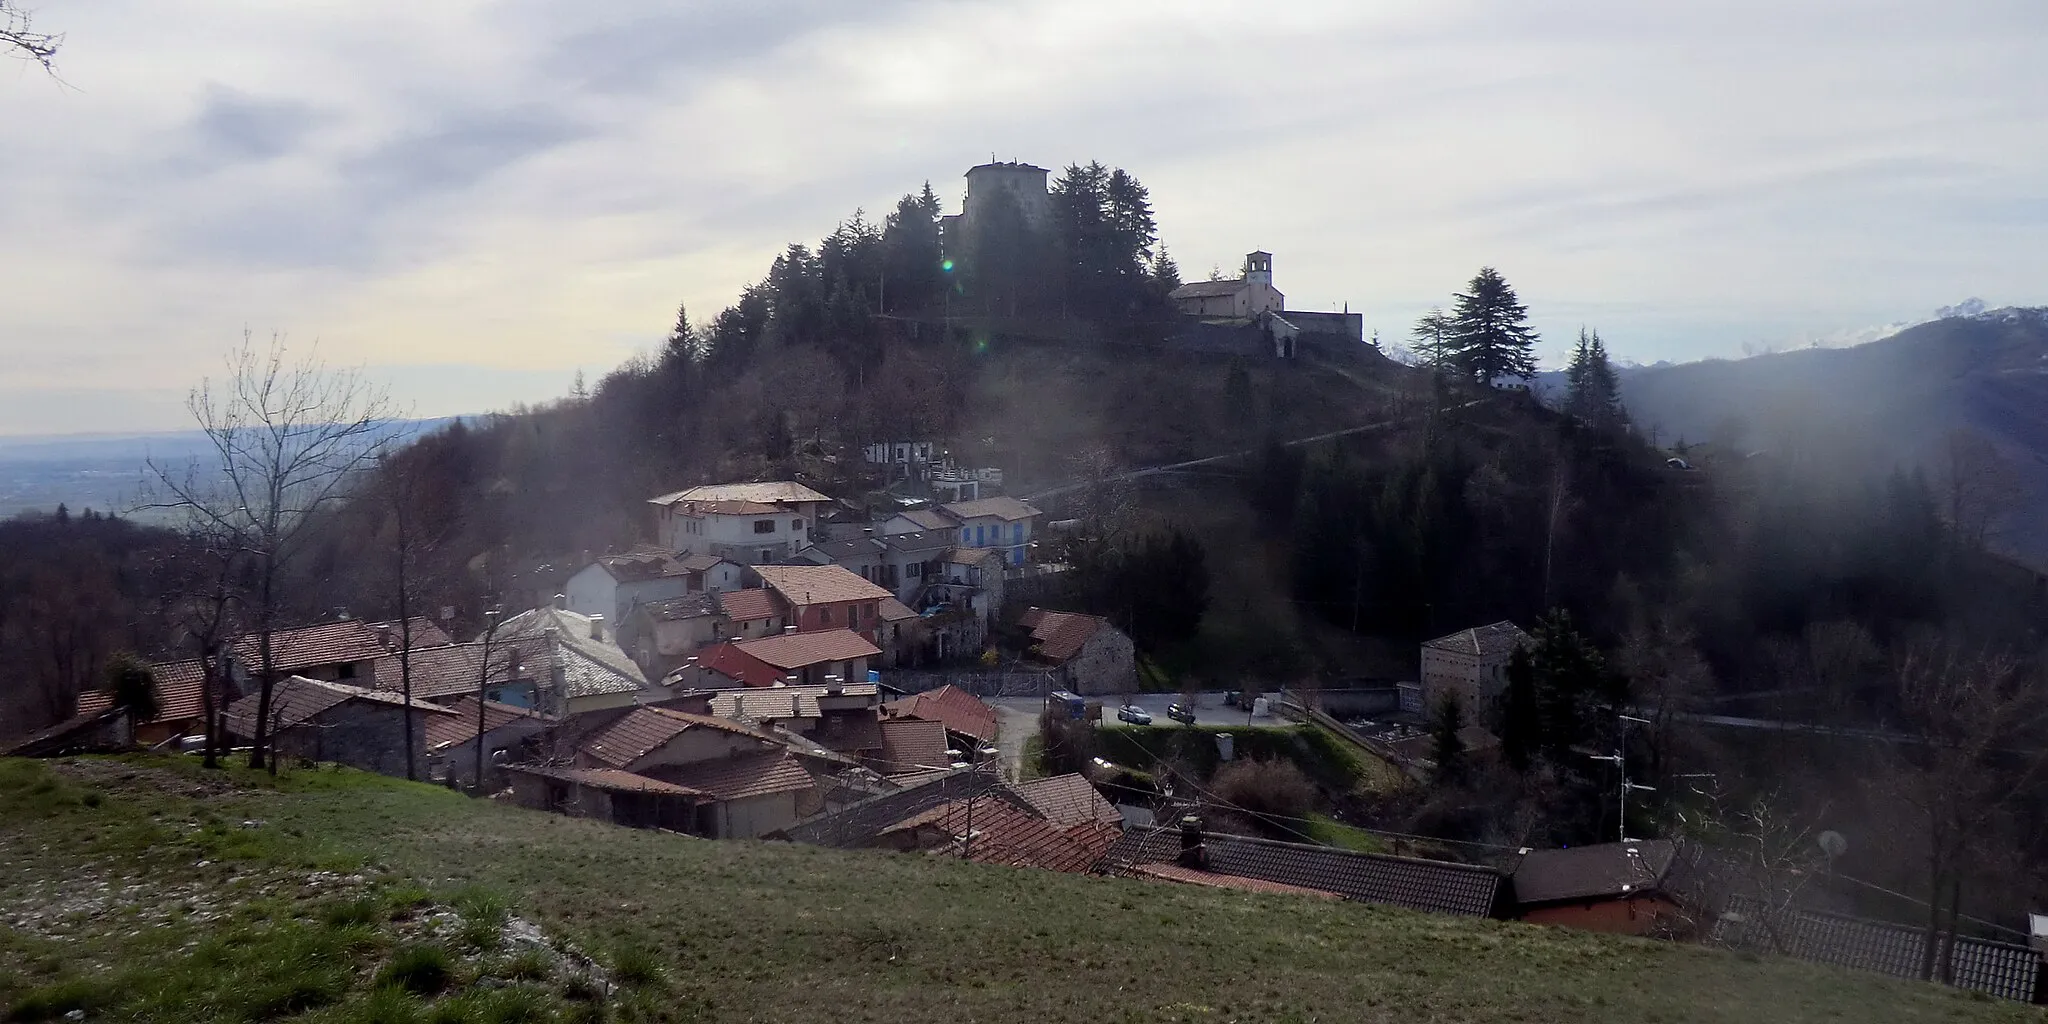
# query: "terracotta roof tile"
{"type": "Point", "coordinates": [425, 632]}
{"type": "Point", "coordinates": [749, 605]}
{"type": "Point", "coordinates": [640, 731]}
{"type": "Point", "coordinates": [323, 643]}
{"type": "Point", "coordinates": [728, 660]}
{"type": "Point", "coordinates": [958, 710]}
{"type": "Point", "coordinates": [1057, 636]}
{"type": "Point", "coordinates": [913, 745]}
{"type": "Point", "coordinates": [857, 825]}
{"type": "Point", "coordinates": [801, 650]}
{"type": "Point", "coordinates": [1069, 800]}
{"type": "Point", "coordinates": [892, 610]}
{"type": "Point", "coordinates": [737, 778]}
{"type": "Point", "coordinates": [460, 727]}
{"type": "Point", "coordinates": [802, 585]}
{"type": "Point", "coordinates": [295, 700]}
{"type": "Point", "coordinates": [994, 832]}
{"type": "Point", "coordinates": [609, 779]}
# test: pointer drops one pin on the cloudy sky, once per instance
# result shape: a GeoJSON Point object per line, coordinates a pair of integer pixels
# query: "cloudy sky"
{"type": "Point", "coordinates": [476, 199]}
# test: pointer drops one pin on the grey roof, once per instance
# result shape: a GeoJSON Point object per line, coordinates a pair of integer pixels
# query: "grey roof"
{"type": "Point", "coordinates": [1996, 968]}
{"type": "Point", "coordinates": [1440, 886]}
{"type": "Point", "coordinates": [834, 550]}
{"type": "Point", "coordinates": [571, 631]}
{"type": "Point", "coordinates": [1209, 289]}
{"type": "Point", "coordinates": [1597, 871]}
{"type": "Point", "coordinates": [929, 518]}
{"type": "Point", "coordinates": [675, 609]}
{"type": "Point", "coordinates": [1483, 641]}
{"type": "Point", "coordinates": [771, 492]}
{"type": "Point", "coordinates": [929, 540]}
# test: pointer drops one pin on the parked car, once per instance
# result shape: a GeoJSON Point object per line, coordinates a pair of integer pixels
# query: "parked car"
{"type": "Point", "coordinates": [1133, 714]}
{"type": "Point", "coordinates": [1230, 699]}
{"type": "Point", "coordinates": [1181, 713]}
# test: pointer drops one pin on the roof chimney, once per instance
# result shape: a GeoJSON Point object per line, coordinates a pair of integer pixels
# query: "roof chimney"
{"type": "Point", "coordinates": [789, 629]}
{"type": "Point", "coordinates": [384, 637]}
{"type": "Point", "coordinates": [597, 627]}
{"type": "Point", "coordinates": [562, 601]}
{"type": "Point", "coordinates": [1192, 855]}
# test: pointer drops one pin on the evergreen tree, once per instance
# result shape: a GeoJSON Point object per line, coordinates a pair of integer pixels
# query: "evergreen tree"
{"type": "Point", "coordinates": [1490, 336]}
{"type": "Point", "coordinates": [680, 346]}
{"type": "Point", "coordinates": [1165, 272]}
{"type": "Point", "coordinates": [1447, 748]}
{"type": "Point", "coordinates": [1578, 376]}
{"type": "Point", "coordinates": [1128, 212]}
{"type": "Point", "coordinates": [1606, 386]}
{"type": "Point", "coordinates": [1433, 336]}
{"type": "Point", "coordinates": [912, 280]}
{"type": "Point", "coordinates": [133, 686]}
{"type": "Point", "coordinates": [1520, 729]}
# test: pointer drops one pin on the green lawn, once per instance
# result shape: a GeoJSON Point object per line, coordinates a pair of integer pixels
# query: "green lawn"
{"type": "Point", "coordinates": [728, 931]}
{"type": "Point", "coordinates": [1336, 766]}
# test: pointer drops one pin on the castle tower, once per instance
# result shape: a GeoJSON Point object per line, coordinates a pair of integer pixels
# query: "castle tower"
{"type": "Point", "coordinates": [1258, 268]}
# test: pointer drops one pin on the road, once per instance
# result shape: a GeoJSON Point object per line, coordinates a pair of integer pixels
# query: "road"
{"type": "Point", "coordinates": [1017, 719]}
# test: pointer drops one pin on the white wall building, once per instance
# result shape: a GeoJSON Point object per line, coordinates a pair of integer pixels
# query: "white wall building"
{"type": "Point", "coordinates": [1239, 297]}
{"type": "Point", "coordinates": [750, 524]}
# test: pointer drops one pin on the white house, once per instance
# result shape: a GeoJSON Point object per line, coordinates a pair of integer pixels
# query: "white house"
{"type": "Point", "coordinates": [613, 585]}
{"type": "Point", "coordinates": [1239, 297]}
{"type": "Point", "coordinates": [750, 524]}
{"type": "Point", "coordinates": [1471, 663]}
{"type": "Point", "coordinates": [1003, 523]}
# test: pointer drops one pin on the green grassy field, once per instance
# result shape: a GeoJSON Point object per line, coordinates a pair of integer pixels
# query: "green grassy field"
{"type": "Point", "coordinates": [145, 889]}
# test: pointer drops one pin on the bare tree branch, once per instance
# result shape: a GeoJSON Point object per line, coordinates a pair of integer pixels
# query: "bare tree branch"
{"type": "Point", "coordinates": [18, 36]}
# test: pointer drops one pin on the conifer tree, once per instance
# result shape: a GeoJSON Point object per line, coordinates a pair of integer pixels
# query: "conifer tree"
{"type": "Point", "coordinates": [1491, 337]}
{"type": "Point", "coordinates": [1520, 730]}
{"type": "Point", "coordinates": [1433, 336]}
{"type": "Point", "coordinates": [1447, 748]}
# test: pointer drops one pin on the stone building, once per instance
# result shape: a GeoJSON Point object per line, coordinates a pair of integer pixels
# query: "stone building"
{"type": "Point", "coordinates": [1090, 655]}
{"type": "Point", "coordinates": [1471, 663]}
{"type": "Point", "coordinates": [992, 183]}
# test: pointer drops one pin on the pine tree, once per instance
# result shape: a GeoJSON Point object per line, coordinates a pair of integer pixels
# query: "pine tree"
{"type": "Point", "coordinates": [1165, 272]}
{"type": "Point", "coordinates": [1606, 386]}
{"type": "Point", "coordinates": [1578, 375]}
{"type": "Point", "coordinates": [1520, 728]}
{"type": "Point", "coordinates": [1491, 337]}
{"type": "Point", "coordinates": [680, 346]}
{"type": "Point", "coordinates": [1433, 334]}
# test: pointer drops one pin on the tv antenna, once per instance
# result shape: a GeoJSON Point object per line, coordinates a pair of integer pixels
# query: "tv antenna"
{"type": "Point", "coordinates": [1620, 761]}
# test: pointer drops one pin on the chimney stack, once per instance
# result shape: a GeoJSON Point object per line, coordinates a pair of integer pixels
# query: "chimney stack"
{"type": "Point", "coordinates": [597, 627]}
{"type": "Point", "coordinates": [1192, 855]}
{"type": "Point", "coordinates": [561, 602]}
{"type": "Point", "coordinates": [789, 630]}
{"type": "Point", "coordinates": [384, 635]}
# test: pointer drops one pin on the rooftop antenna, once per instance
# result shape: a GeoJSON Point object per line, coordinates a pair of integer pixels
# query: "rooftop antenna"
{"type": "Point", "coordinates": [1620, 762]}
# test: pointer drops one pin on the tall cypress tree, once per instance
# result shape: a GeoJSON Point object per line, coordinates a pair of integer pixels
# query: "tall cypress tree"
{"type": "Point", "coordinates": [1491, 337]}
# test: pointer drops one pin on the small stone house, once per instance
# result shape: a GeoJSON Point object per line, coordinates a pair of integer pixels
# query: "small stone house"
{"type": "Point", "coordinates": [1090, 655]}
{"type": "Point", "coordinates": [322, 720]}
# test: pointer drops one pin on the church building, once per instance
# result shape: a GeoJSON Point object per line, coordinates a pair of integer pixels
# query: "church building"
{"type": "Point", "coordinates": [1239, 297]}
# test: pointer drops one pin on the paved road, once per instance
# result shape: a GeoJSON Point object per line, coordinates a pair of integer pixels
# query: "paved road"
{"type": "Point", "coordinates": [1017, 719]}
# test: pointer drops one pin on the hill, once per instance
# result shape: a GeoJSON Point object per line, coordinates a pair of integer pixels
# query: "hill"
{"type": "Point", "coordinates": [142, 889]}
{"type": "Point", "coordinates": [1963, 398]}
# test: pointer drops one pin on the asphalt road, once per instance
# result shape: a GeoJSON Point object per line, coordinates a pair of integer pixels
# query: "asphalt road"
{"type": "Point", "coordinates": [1017, 718]}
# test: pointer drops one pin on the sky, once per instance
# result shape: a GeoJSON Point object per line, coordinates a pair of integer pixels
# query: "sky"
{"type": "Point", "coordinates": [474, 201]}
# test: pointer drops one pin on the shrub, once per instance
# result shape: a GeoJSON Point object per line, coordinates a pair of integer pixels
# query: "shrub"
{"type": "Point", "coordinates": [635, 967]}
{"type": "Point", "coordinates": [1274, 788]}
{"type": "Point", "coordinates": [421, 969]}
{"type": "Point", "coordinates": [1070, 746]}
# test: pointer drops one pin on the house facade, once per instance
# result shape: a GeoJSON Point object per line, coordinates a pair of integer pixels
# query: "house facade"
{"type": "Point", "coordinates": [321, 720]}
{"type": "Point", "coordinates": [750, 524]}
{"type": "Point", "coordinates": [1090, 655]}
{"type": "Point", "coordinates": [1003, 523]}
{"type": "Point", "coordinates": [1471, 663]}
{"type": "Point", "coordinates": [821, 597]}
{"type": "Point", "coordinates": [613, 585]}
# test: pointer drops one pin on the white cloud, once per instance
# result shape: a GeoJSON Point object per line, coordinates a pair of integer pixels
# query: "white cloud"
{"type": "Point", "coordinates": [531, 188]}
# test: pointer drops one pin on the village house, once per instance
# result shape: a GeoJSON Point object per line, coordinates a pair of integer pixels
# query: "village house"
{"type": "Point", "coordinates": [917, 520]}
{"type": "Point", "coordinates": [911, 560]}
{"type": "Point", "coordinates": [750, 524]}
{"type": "Point", "coordinates": [452, 742]}
{"type": "Point", "coordinates": [1003, 523]}
{"type": "Point", "coordinates": [587, 668]}
{"type": "Point", "coordinates": [1471, 663]}
{"type": "Point", "coordinates": [613, 585]}
{"type": "Point", "coordinates": [861, 556]}
{"type": "Point", "coordinates": [742, 781]}
{"type": "Point", "coordinates": [970, 724]}
{"type": "Point", "coordinates": [662, 635]}
{"type": "Point", "coordinates": [963, 813]}
{"type": "Point", "coordinates": [819, 658]}
{"type": "Point", "coordinates": [1603, 887]}
{"type": "Point", "coordinates": [825, 597]}
{"type": "Point", "coordinates": [322, 720]}
{"type": "Point", "coordinates": [108, 730]}
{"type": "Point", "coordinates": [748, 614]}
{"type": "Point", "coordinates": [1088, 654]}
{"type": "Point", "coordinates": [180, 700]}
{"type": "Point", "coordinates": [913, 747]}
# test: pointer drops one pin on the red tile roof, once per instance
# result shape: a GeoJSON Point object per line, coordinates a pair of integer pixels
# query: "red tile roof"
{"type": "Point", "coordinates": [960, 711]}
{"type": "Point", "coordinates": [455, 669]}
{"type": "Point", "coordinates": [449, 730]}
{"type": "Point", "coordinates": [749, 605]}
{"type": "Point", "coordinates": [801, 650]}
{"type": "Point", "coordinates": [994, 832]}
{"type": "Point", "coordinates": [1057, 636]}
{"type": "Point", "coordinates": [323, 643]}
{"type": "Point", "coordinates": [178, 695]}
{"type": "Point", "coordinates": [638, 732]}
{"type": "Point", "coordinates": [737, 778]}
{"type": "Point", "coordinates": [802, 585]}
{"type": "Point", "coordinates": [731, 662]}
{"type": "Point", "coordinates": [425, 632]}
{"type": "Point", "coordinates": [609, 779]}
{"type": "Point", "coordinates": [913, 745]}
{"type": "Point", "coordinates": [1069, 800]}
{"type": "Point", "coordinates": [1176, 873]}
{"type": "Point", "coordinates": [892, 610]}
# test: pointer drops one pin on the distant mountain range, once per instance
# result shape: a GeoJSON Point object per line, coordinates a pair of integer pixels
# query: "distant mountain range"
{"type": "Point", "coordinates": [1884, 404]}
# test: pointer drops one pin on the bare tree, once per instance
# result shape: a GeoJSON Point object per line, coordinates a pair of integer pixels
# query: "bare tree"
{"type": "Point", "coordinates": [1979, 485]}
{"type": "Point", "coordinates": [287, 436]}
{"type": "Point", "coordinates": [1977, 718]}
{"type": "Point", "coordinates": [410, 542]}
{"type": "Point", "coordinates": [202, 599]}
{"type": "Point", "coordinates": [18, 35]}
{"type": "Point", "coordinates": [1754, 852]}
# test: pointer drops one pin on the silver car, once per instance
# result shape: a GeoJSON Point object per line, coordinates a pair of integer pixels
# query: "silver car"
{"type": "Point", "coordinates": [1133, 714]}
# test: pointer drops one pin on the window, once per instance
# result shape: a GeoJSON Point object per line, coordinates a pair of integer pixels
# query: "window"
{"type": "Point", "coordinates": [825, 615]}
{"type": "Point", "coordinates": [767, 555]}
{"type": "Point", "coordinates": [966, 535]}
{"type": "Point", "coordinates": [797, 525]}
{"type": "Point", "coordinates": [764, 526]}
{"type": "Point", "coordinates": [869, 611]}
{"type": "Point", "coordinates": [914, 570]}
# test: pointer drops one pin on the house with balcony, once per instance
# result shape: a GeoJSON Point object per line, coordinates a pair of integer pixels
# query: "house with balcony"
{"type": "Point", "coordinates": [750, 524]}
{"type": "Point", "coordinates": [1002, 523]}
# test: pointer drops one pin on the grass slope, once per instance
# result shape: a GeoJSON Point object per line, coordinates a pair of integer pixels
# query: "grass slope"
{"type": "Point", "coordinates": [757, 931]}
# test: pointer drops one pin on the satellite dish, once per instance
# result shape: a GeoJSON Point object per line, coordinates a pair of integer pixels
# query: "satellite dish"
{"type": "Point", "coordinates": [1832, 843]}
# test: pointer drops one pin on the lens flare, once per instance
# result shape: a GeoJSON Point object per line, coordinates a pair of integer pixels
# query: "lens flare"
{"type": "Point", "coordinates": [946, 265]}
